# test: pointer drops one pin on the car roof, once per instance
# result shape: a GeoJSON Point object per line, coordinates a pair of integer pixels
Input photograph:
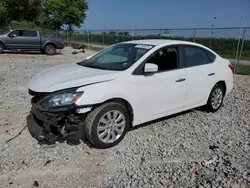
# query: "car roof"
{"type": "Point", "coordinates": [156, 42]}
{"type": "Point", "coordinates": [24, 29]}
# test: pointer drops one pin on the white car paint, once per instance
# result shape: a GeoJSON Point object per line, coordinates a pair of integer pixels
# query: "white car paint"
{"type": "Point", "coordinates": [150, 97]}
{"type": "Point", "coordinates": [199, 84]}
{"type": "Point", "coordinates": [68, 76]}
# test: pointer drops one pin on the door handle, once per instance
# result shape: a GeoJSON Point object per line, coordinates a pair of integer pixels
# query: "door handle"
{"type": "Point", "coordinates": [211, 74]}
{"type": "Point", "coordinates": [180, 80]}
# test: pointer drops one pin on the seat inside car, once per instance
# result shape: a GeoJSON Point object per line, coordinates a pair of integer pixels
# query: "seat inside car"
{"type": "Point", "coordinates": [165, 59]}
{"type": "Point", "coordinates": [168, 60]}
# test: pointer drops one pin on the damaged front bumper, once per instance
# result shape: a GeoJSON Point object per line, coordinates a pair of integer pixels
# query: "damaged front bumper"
{"type": "Point", "coordinates": [55, 124]}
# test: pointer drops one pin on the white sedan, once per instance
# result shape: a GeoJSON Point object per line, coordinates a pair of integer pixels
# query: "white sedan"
{"type": "Point", "coordinates": [125, 85]}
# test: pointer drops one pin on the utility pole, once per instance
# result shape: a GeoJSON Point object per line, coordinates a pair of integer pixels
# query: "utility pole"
{"type": "Point", "coordinates": [238, 45]}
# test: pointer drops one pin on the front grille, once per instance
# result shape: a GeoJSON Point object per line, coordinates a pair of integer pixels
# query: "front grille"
{"type": "Point", "coordinates": [38, 121]}
{"type": "Point", "coordinates": [54, 119]}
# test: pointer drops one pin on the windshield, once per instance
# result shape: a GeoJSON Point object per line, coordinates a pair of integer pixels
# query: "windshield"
{"type": "Point", "coordinates": [4, 31]}
{"type": "Point", "coordinates": [117, 57]}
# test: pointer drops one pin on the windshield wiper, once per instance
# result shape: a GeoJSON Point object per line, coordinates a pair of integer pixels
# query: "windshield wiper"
{"type": "Point", "coordinates": [94, 66]}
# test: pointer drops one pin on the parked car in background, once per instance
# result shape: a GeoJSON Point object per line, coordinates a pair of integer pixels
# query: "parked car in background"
{"type": "Point", "coordinates": [125, 85]}
{"type": "Point", "coordinates": [29, 40]}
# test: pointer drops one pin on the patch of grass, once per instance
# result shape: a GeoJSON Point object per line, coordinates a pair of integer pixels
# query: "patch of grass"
{"type": "Point", "coordinates": [242, 69]}
{"type": "Point", "coordinates": [232, 56]}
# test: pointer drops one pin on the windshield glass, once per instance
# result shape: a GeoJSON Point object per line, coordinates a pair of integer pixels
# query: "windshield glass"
{"type": "Point", "coordinates": [117, 57]}
{"type": "Point", "coordinates": [4, 31]}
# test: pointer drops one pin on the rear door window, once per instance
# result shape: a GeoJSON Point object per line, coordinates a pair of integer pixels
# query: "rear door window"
{"type": "Point", "coordinates": [28, 33]}
{"type": "Point", "coordinates": [194, 56]}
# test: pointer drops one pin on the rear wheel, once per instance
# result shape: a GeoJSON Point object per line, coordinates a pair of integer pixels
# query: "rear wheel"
{"type": "Point", "coordinates": [1, 48]}
{"type": "Point", "coordinates": [215, 99]}
{"type": "Point", "coordinates": [107, 125]}
{"type": "Point", "coordinates": [50, 50]}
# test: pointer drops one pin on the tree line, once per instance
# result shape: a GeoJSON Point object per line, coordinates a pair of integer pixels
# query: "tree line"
{"type": "Point", "coordinates": [47, 14]}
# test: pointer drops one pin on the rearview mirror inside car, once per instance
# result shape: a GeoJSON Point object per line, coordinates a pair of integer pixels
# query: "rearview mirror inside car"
{"type": "Point", "coordinates": [150, 68]}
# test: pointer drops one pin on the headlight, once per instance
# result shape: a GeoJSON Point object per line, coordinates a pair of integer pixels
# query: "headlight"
{"type": "Point", "coordinates": [62, 98]}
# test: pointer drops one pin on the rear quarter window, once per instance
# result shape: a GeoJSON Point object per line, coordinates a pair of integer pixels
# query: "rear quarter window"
{"type": "Point", "coordinates": [211, 56]}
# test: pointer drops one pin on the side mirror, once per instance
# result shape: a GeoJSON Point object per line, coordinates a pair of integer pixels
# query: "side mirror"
{"type": "Point", "coordinates": [150, 68]}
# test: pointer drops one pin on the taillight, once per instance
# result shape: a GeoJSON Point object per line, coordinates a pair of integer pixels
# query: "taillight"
{"type": "Point", "coordinates": [62, 41]}
{"type": "Point", "coordinates": [231, 67]}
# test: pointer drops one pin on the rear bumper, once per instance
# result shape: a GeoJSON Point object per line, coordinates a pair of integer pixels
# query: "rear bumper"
{"type": "Point", "coordinates": [59, 47]}
{"type": "Point", "coordinates": [229, 84]}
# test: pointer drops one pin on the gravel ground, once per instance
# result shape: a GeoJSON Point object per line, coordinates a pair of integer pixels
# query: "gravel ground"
{"type": "Point", "coordinates": [191, 149]}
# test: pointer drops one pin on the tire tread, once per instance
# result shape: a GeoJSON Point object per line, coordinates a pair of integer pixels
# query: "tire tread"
{"type": "Point", "coordinates": [91, 117]}
{"type": "Point", "coordinates": [209, 108]}
{"type": "Point", "coordinates": [46, 50]}
{"type": "Point", "coordinates": [2, 46]}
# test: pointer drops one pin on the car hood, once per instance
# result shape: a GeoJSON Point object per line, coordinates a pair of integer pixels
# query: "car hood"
{"type": "Point", "coordinates": [68, 76]}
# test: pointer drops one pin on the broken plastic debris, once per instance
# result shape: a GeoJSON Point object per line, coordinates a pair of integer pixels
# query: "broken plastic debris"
{"type": "Point", "coordinates": [213, 147]}
{"type": "Point", "coordinates": [210, 161]}
{"type": "Point", "coordinates": [47, 162]}
{"type": "Point", "coordinates": [194, 172]}
{"type": "Point", "coordinates": [36, 184]}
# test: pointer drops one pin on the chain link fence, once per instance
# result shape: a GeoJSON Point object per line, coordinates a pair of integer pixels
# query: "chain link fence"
{"type": "Point", "coordinates": [231, 42]}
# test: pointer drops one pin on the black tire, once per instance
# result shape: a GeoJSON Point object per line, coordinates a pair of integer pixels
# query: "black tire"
{"type": "Point", "coordinates": [93, 119]}
{"type": "Point", "coordinates": [210, 107]}
{"type": "Point", "coordinates": [1, 48]}
{"type": "Point", "coordinates": [50, 50]}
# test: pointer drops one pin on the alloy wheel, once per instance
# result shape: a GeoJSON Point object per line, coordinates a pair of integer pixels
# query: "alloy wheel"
{"type": "Point", "coordinates": [111, 126]}
{"type": "Point", "coordinates": [217, 98]}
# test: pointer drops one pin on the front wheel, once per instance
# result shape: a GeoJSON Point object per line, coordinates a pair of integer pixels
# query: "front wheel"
{"type": "Point", "coordinates": [1, 48]}
{"type": "Point", "coordinates": [107, 125]}
{"type": "Point", "coordinates": [215, 99]}
{"type": "Point", "coordinates": [42, 51]}
{"type": "Point", "coordinates": [50, 50]}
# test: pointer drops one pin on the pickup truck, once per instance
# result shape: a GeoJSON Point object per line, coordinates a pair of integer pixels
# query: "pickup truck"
{"type": "Point", "coordinates": [30, 40]}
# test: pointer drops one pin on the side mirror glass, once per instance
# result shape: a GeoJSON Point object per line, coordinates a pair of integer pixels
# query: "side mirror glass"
{"type": "Point", "coordinates": [150, 68]}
